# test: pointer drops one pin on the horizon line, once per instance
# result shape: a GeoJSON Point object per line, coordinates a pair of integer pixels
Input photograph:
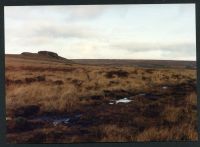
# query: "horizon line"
{"type": "Point", "coordinates": [115, 58]}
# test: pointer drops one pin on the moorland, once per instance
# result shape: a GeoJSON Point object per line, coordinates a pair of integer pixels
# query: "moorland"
{"type": "Point", "coordinates": [50, 99]}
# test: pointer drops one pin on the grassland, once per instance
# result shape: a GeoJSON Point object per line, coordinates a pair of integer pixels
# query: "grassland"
{"type": "Point", "coordinates": [53, 101]}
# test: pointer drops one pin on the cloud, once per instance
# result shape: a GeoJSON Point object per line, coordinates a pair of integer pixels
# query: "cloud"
{"type": "Point", "coordinates": [68, 12]}
{"type": "Point", "coordinates": [66, 31]}
{"type": "Point", "coordinates": [103, 31]}
{"type": "Point", "coordinates": [150, 46]}
{"type": "Point", "coordinates": [86, 12]}
{"type": "Point", "coordinates": [165, 50]}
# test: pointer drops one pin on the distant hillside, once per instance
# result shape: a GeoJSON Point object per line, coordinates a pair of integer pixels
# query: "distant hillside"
{"type": "Point", "coordinates": [139, 63]}
{"type": "Point", "coordinates": [42, 56]}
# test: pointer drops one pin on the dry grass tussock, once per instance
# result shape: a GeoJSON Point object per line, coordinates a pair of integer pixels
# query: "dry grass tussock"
{"type": "Point", "coordinates": [191, 99]}
{"type": "Point", "coordinates": [50, 98]}
{"type": "Point", "coordinates": [178, 133]}
{"type": "Point", "coordinates": [114, 133]}
{"type": "Point", "coordinates": [173, 114]}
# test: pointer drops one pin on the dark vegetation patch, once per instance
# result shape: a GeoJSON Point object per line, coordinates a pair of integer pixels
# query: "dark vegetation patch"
{"type": "Point", "coordinates": [9, 81]}
{"type": "Point", "coordinates": [38, 137]}
{"type": "Point", "coordinates": [165, 77]}
{"type": "Point", "coordinates": [58, 82]}
{"type": "Point", "coordinates": [175, 76]}
{"type": "Point", "coordinates": [96, 97]}
{"type": "Point", "coordinates": [41, 69]}
{"type": "Point", "coordinates": [113, 83]}
{"type": "Point", "coordinates": [135, 72]}
{"type": "Point", "coordinates": [69, 79]}
{"type": "Point", "coordinates": [27, 111]}
{"type": "Point", "coordinates": [30, 80]}
{"type": "Point", "coordinates": [145, 78]}
{"type": "Point", "coordinates": [18, 124]}
{"type": "Point", "coordinates": [26, 80]}
{"type": "Point", "coordinates": [153, 110]}
{"type": "Point", "coordinates": [117, 93]}
{"type": "Point", "coordinates": [35, 79]}
{"type": "Point", "coordinates": [118, 73]}
{"type": "Point", "coordinates": [40, 78]}
{"type": "Point", "coordinates": [77, 82]}
{"type": "Point", "coordinates": [22, 124]}
{"type": "Point", "coordinates": [150, 71]}
{"type": "Point", "coordinates": [152, 97]}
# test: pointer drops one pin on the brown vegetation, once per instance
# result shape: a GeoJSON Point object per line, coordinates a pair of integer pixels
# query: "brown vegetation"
{"type": "Point", "coordinates": [163, 104]}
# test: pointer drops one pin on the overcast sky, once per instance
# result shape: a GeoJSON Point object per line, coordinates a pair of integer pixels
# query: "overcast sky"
{"type": "Point", "coordinates": [157, 31]}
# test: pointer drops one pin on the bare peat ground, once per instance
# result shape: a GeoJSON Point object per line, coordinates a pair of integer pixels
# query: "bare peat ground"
{"type": "Point", "coordinates": [52, 100]}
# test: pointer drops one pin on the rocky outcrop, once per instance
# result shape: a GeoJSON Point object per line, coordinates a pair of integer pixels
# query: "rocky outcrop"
{"type": "Point", "coordinates": [48, 53]}
{"type": "Point", "coordinates": [45, 55]}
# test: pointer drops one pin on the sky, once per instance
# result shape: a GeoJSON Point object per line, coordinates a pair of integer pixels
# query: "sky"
{"type": "Point", "coordinates": [150, 31]}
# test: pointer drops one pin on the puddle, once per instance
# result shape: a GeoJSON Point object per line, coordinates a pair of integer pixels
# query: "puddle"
{"type": "Point", "coordinates": [142, 94]}
{"type": "Point", "coordinates": [61, 121]}
{"type": "Point", "coordinates": [78, 115]}
{"type": "Point", "coordinates": [164, 87]}
{"type": "Point", "coordinates": [151, 96]}
{"type": "Point", "coordinates": [124, 100]}
{"type": "Point", "coordinates": [8, 118]}
{"type": "Point", "coordinates": [56, 120]}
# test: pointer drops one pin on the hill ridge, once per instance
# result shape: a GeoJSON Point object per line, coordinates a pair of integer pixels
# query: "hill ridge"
{"type": "Point", "coordinates": [41, 55]}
